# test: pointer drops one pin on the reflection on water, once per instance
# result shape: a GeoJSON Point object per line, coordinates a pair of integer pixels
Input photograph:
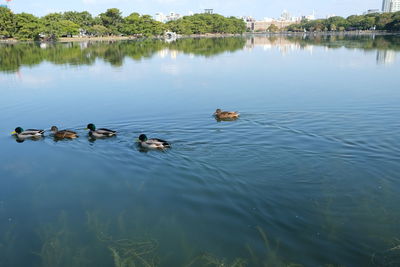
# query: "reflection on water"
{"type": "Point", "coordinates": [13, 56]}
{"type": "Point", "coordinates": [386, 46]}
{"type": "Point", "coordinates": [307, 176]}
{"type": "Point", "coordinates": [385, 57]}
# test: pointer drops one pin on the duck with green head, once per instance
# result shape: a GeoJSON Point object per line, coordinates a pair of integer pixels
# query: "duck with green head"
{"type": "Point", "coordinates": [99, 133]}
{"type": "Point", "coordinates": [25, 134]}
{"type": "Point", "coordinates": [153, 143]}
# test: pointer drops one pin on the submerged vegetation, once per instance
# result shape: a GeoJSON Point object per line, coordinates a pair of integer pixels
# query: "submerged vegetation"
{"type": "Point", "coordinates": [26, 26]}
{"type": "Point", "coordinates": [109, 242]}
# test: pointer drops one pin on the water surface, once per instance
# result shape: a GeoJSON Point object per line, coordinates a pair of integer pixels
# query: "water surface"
{"type": "Point", "coordinates": [308, 175]}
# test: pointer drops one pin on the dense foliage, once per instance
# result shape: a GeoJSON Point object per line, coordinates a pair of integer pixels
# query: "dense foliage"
{"type": "Point", "coordinates": [54, 25]}
{"type": "Point", "coordinates": [207, 23]}
{"type": "Point", "coordinates": [375, 21]}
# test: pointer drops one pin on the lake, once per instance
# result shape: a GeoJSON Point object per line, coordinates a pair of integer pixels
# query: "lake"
{"type": "Point", "coordinates": [309, 175]}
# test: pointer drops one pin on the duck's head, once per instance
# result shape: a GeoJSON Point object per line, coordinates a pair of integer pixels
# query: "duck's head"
{"type": "Point", "coordinates": [91, 127]}
{"type": "Point", "coordinates": [18, 130]}
{"type": "Point", "coordinates": [54, 129]}
{"type": "Point", "coordinates": [218, 111]}
{"type": "Point", "coordinates": [143, 138]}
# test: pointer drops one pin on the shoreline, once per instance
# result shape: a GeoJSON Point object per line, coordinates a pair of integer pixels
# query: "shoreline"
{"type": "Point", "coordinates": [325, 33]}
{"type": "Point", "coordinates": [208, 35]}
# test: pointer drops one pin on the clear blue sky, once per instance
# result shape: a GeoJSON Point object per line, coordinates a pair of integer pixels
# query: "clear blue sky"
{"type": "Point", "coordinates": [256, 8]}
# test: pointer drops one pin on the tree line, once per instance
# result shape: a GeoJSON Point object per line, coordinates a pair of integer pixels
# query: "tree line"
{"type": "Point", "coordinates": [26, 26]}
{"type": "Point", "coordinates": [376, 21]}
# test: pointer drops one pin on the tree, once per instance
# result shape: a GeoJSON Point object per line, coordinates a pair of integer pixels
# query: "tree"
{"type": "Point", "coordinates": [7, 22]}
{"type": "Point", "coordinates": [112, 19]}
{"type": "Point", "coordinates": [68, 28]}
{"type": "Point", "coordinates": [99, 30]}
{"type": "Point", "coordinates": [144, 25]}
{"type": "Point", "coordinates": [273, 28]}
{"type": "Point", "coordinates": [83, 19]}
{"type": "Point", "coordinates": [27, 26]}
{"type": "Point", "coordinates": [207, 23]}
{"type": "Point", "coordinates": [51, 26]}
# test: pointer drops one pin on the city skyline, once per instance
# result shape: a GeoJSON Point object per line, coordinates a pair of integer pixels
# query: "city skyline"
{"type": "Point", "coordinates": [256, 8]}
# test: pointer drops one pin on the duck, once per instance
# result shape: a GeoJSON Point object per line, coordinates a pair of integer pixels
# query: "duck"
{"type": "Point", "coordinates": [63, 134]}
{"type": "Point", "coordinates": [226, 115]}
{"type": "Point", "coordinates": [153, 143]}
{"type": "Point", "coordinates": [25, 134]}
{"type": "Point", "coordinates": [100, 133]}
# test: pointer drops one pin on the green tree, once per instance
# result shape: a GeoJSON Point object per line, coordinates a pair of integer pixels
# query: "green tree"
{"type": "Point", "coordinates": [99, 30]}
{"type": "Point", "coordinates": [68, 28]}
{"type": "Point", "coordinates": [112, 19]}
{"type": "Point", "coordinates": [7, 23]}
{"type": "Point", "coordinates": [273, 28]}
{"type": "Point", "coordinates": [207, 23]}
{"type": "Point", "coordinates": [27, 26]}
{"type": "Point", "coordinates": [51, 26]}
{"type": "Point", "coordinates": [83, 19]}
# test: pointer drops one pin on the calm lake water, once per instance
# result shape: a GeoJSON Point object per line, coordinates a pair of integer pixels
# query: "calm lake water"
{"type": "Point", "coordinates": [308, 176]}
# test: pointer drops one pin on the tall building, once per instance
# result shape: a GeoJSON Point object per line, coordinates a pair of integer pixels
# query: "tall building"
{"type": "Point", "coordinates": [286, 15]}
{"type": "Point", "coordinates": [386, 5]}
{"type": "Point", "coordinates": [395, 6]}
{"type": "Point", "coordinates": [391, 5]}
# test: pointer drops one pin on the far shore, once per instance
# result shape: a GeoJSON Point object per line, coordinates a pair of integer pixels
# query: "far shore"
{"type": "Point", "coordinates": [209, 35]}
{"type": "Point", "coordinates": [122, 38]}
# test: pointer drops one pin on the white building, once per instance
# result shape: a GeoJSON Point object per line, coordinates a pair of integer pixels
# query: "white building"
{"type": "Point", "coordinates": [391, 5]}
{"type": "Point", "coordinates": [309, 17]}
{"type": "Point", "coordinates": [173, 16]}
{"type": "Point", "coordinates": [160, 17]}
{"type": "Point", "coordinates": [395, 6]}
{"type": "Point", "coordinates": [165, 18]}
{"type": "Point", "coordinates": [286, 15]}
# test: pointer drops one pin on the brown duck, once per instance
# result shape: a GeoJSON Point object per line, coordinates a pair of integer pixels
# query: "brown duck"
{"type": "Point", "coordinates": [63, 134]}
{"type": "Point", "coordinates": [226, 115]}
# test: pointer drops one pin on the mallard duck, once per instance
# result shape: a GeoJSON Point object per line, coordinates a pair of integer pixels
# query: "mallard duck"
{"type": "Point", "coordinates": [153, 143]}
{"type": "Point", "coordinates": [100, 133]}
{"type": "Point", "coordinates": [30, 133]}
{"type": "Point", "coordinates": [223, 115]}
{"type": "Point", "coordinates": [63, 134]}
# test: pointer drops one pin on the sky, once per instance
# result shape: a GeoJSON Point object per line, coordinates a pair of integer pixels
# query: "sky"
{"type": "Point", "coordinates": [256, 8]}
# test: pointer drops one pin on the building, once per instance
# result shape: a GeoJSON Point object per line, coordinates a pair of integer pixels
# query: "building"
{"type": "Point", "coordinates": [386, 5]}
{"type": "Point", "coordinates": [395, 6]}
{"type": "Point", "coordinates": [286, 15]}
{"type": "Point", "coordinates": [372, 11]}
{"type": "Point", "coordinates": [165, 18]}
{"type": "Point", "coordinates": [262, 26]}
{"type": "Point", "coordinates": [160, 17]}
{"type": "Point", "coordinates": [391, 5]}
{"type": "Point", "coordinates": [173, 16]}
{"type": "Point", "coordinates": [209, 11]}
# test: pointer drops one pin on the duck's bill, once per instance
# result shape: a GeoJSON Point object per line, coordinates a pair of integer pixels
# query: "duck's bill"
{"type": "Point", "coordinates": [86, 129]}
{"type": "Point", "coordinates": [137, 140]}
{"type": "Point", "coordinates": [13, 133]}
